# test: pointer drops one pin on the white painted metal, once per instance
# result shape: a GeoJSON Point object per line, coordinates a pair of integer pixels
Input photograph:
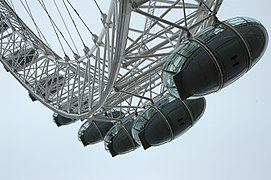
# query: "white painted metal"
{"type": "Point", "coordinates": [123, 67]}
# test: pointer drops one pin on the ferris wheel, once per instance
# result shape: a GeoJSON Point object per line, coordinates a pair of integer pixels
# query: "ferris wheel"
{"type": "Point", "coordinates": [115, 77]}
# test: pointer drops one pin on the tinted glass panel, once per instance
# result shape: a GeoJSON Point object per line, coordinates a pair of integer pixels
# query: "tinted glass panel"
{"type": "Point", "coordinates": [236, 21]}
{"type": "Point", "coordinates": [149, 113]}
{"type": "Point", "coordinates": [210, 33]}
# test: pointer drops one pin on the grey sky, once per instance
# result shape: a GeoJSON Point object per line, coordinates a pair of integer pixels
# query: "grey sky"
{"type": "Point", "coordinates": [231, 141]}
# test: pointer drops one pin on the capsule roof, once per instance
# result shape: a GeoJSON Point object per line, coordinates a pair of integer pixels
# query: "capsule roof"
{"type": "Point", "coordinates": [95, 128]}
{"type": "Point", "coordinates": [209, 61]}
{"type": "Point", "coordinates": [118, 139]}
{"type": "Point", "coordinates": [166, 119]}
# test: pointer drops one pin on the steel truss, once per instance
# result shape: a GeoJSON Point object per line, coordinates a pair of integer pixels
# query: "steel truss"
{"type": "Point", "coordinates": [123, 67]}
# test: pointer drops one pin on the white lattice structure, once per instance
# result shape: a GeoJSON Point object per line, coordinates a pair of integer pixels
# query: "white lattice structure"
{"type": "Point", "coordinates": [121, 69]}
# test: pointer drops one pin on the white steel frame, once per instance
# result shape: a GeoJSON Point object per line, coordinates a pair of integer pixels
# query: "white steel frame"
{"type": "Point", "coordinates": [123, 67]}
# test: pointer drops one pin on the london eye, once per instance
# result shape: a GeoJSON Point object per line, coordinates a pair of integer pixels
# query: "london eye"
{"type": "Point", "coordinates": [139, 81]}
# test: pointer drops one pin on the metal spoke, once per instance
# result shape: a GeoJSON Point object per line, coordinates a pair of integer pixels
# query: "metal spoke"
{"type": "Point", "coordinates": [122, 66]}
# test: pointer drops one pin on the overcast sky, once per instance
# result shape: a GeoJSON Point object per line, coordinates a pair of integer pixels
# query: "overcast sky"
{"type": "Point", "coordinates": [231, 141]}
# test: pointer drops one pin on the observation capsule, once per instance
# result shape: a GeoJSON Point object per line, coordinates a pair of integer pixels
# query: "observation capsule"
{"type": "Point", "coordinates": [61, 120]}
{"type": "Point", "coordinates": [119, 140]}
{"type": "Point", "coordinates": [166, 119]}
{"type": "Point", "coordinates": [93, 131]}
{"type": "Point", "coordinates": [215, 57]}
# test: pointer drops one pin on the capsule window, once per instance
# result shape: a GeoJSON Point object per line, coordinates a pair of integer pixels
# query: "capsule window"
{"type": "Point", "coordinates": [189, 49]}
{"type": "Point", "coordinates": [236, 21]}
{"type": "Point", "coordinates": [176, 62]}
{"type": "Point", "coordinates": [149, 113]}
{"type": "Point", "coordinates": [209, 33]}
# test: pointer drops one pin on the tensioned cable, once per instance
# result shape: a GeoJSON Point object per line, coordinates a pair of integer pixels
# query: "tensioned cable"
{"type": "Point", "coordinates": [66, 27]}
{"type": "Point", "coordinates": [184, 14]}
{"type": "Point", "coordinates": [74, 23]}
{"type": "Point", "coordinates": [80, 18]}
{"type": "Point", "coordinates": [11, 4]}
{"type": "Point", "coordinates": [28, 10]}
{"type": "Point", "coordinates": [55, 27]}
{"type": "Point", "coordinates": [205, 5]}
{"type": "Point", "coordinates": [52, 24]}
{"type": "Point", "coordinates": [98, 7]}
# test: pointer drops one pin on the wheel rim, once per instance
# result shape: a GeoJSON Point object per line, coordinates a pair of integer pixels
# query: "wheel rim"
{"type": "Point", "coordinates": [121, 69]}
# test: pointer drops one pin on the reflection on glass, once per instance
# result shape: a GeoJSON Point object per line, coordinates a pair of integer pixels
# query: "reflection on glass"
{"type": "Point", "coordinates": [210, 32]}
{"type": "Point", "coordinates": [82, 129]}
{"type": "Point", "coordinates": [236, 21]}
{"type": "Point", "coordinates": [175, 63]}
